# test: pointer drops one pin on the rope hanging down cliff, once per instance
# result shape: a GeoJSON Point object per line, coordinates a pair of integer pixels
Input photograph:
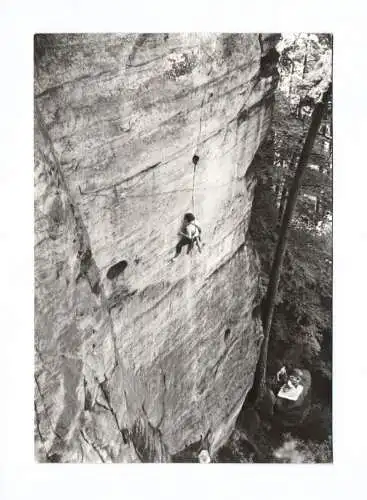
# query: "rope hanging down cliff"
{"type": "Point", "coordinates": [195, 158]}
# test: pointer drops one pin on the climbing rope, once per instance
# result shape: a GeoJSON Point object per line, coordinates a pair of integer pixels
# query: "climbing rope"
{"type": "Point", "coordinates": [195, 158]}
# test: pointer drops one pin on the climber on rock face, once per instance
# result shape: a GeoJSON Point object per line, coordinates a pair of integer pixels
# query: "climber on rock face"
{"type": "Point", "coordinates": [190, 235]}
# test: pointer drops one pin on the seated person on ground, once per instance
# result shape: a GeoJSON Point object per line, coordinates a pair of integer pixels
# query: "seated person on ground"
{"type": "Point", "coordinates": [292, 388]}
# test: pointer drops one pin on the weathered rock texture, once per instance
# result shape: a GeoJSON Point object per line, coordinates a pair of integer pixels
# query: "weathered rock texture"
{"type": "Point", "coordinates": [132, 359]}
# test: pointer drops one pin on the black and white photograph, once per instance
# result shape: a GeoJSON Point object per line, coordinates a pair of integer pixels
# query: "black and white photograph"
{"type": "Point", "coordinates": [183, 247]}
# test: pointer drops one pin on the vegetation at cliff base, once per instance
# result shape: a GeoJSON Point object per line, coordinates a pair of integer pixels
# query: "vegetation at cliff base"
{"type": "Point", "coordinates": [300, 322]}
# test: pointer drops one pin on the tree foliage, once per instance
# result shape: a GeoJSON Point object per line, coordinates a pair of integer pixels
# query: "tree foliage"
{"type": "Point", "coordinates": [297, 451]}
{"type": "Point", "coordinates": [279, 254]}
{"type": "Point", "coordinates": [302, 321]}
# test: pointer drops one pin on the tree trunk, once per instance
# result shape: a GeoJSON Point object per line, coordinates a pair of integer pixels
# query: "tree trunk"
{"type": "Point", "coordinates": [282, 202]}
{"type": "Point", "coordinates": [277, 191]}
{"type": "Point", "coordinates": [301, 102]}
{"type": "Point", "coordinates": [291, 80]}
{"type": "Point", "coordinates": [305, 64]}
{"type": "Point", "coordinates": [318, 208]}
{"type": "Point", "coordinates": [269, 303]}
{"type": "Point", "coordinates": [284, 195]}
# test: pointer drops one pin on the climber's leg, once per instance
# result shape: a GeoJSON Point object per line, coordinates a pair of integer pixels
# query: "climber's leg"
{"type": "Point", "coordinates": [197, 241]}
{"type": "Point", "coordinates": [190, 246]}
{"type": "Point", "coordinates": [183, 241]}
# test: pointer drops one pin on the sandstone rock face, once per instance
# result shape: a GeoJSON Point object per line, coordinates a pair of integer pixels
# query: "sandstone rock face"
{"type": "Point", "coordinates": [137, 358]}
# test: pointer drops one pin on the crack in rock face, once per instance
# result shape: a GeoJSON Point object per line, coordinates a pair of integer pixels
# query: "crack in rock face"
{"type": "Point", "coordinates": [139, 358]}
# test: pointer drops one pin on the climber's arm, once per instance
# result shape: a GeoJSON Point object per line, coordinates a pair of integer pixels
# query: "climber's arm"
{"type": "Point", "coordinates": [185, 235]}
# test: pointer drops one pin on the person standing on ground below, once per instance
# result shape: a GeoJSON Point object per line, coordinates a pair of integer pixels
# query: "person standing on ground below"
{"type": "Point", "coordinates": [204, 457]}
{"type": "Point", "coordinates": [190, 234]}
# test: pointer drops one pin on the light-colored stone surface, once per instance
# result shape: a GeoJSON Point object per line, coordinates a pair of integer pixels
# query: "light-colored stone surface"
{"type": "Point", "coordinates": [142, 358]}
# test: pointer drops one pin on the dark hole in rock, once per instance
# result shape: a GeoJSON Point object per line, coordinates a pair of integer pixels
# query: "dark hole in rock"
{"type": "Point", "coordinates": [96, 288]}
{"type": "Point", "coordinates": [84, 255]}
{"type": "Point", "coordinates": [116, 269]}
{"type": "Point", "coordinates": [229, 44]}
{"type": "Point", "coordinates": [226, 334]}
{"type": "Point", "coordinates": [195, 159]}
{"type": "Point", "coordinates": [189, 454]}
{"type": "Point", "coordinates": [105, 390]}
{"type": "Point", "coordinates": [55, 458]}
{"type": "Point", "coordinates": [268, 63]}
{"type": "Point", "coordinates": [88, 401]}
{"type": "Point", "coordinates": [256, 312]}
{"type": "Point", "coordinates": [93, 346]}
{"type": "Point", "coordinates": [42, 43]}
{"type": "Point", "coordinates": [85, 260]}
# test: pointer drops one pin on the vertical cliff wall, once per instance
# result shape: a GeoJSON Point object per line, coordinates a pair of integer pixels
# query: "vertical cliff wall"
{"type": "Point", "coordinates": [137, 358]}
